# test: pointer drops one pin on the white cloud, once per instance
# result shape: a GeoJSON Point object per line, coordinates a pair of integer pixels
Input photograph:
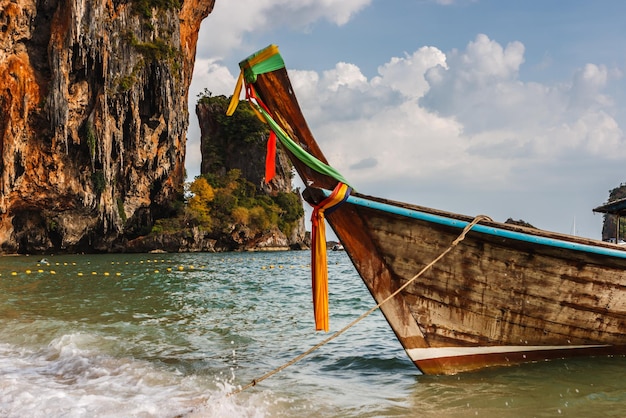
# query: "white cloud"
{"type": "Point", "coordinates": [478, 124]}
{"type": "Point", "coordinates": [348, 75]}
{"type": "Point", "coordinates": [226, 28]}
{"type": "Point", "coordinates": [211, 75]}
{"type": "Point", "coordinates": [587, 86]}
{"type": "Point", "coordinates": [478, 80]}
{"type": "Point", "coordinates": [407, 75]}
{"type": "Point", "coordinates": [598, 134]}
{"type": "Point", "coordinates": [485, 61]}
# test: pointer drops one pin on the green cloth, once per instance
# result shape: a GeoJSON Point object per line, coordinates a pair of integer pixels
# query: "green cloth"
{"type": "Point", "coordinates": [265, 61]}
{"type": "Point", "coordinates": [300, 153]}
{"type": "Point", "coordinates": [270, 60]}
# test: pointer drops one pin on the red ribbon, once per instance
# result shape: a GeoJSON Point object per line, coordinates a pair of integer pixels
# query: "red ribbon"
{"type": "Point", "coordinates": [270, 158]}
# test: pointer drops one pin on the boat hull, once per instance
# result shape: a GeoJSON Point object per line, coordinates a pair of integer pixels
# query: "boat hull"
{"type": "Point", "coordinates": [502, 296]}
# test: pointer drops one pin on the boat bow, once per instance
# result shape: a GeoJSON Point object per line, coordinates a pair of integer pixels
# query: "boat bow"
{"type": "Point", "coordinates": [507, 294]}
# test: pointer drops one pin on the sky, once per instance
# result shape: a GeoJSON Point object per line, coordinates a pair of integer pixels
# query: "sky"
{"type": "Point", "coordinates": [512, 109]}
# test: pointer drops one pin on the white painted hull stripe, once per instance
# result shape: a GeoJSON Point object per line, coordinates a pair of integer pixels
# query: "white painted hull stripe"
{"type": "Point", "coordinates": [417, 354]}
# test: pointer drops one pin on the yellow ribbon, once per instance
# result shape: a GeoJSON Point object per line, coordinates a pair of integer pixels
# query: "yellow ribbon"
{"type": "Point", "coordinates": [234, 101]}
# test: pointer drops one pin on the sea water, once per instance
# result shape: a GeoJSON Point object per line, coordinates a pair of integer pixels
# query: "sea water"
{"type": "Point", "coordinates": [166, 335]}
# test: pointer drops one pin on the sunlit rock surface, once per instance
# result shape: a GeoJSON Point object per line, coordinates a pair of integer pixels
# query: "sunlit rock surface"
{"type": "Point", "coordinates": [93, 119]}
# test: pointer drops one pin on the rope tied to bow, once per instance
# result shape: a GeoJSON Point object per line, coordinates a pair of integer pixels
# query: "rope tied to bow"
{"type": "Point", "coordinates": [460, 238]}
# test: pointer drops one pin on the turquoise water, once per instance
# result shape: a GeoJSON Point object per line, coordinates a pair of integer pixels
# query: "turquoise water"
{"type": "Point", "coordinates": [174, 334]}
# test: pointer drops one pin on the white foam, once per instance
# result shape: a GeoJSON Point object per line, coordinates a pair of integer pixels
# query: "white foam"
{"type": "Point", "coordinates": [71, 378]}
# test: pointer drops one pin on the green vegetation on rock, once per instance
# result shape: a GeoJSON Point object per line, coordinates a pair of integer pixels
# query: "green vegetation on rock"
{"type": "Point", "coordinates": [145, 7]}
{"type": "Point", "coordinates": [242, 129]}
{"type": "Point", "coordinates": [223, 200]}
{"type": "Point", "coordinates": [217, 203]}
{"type": "Point", "coordinates": [99, 182]}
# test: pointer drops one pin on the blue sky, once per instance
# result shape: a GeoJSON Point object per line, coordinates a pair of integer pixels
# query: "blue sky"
{"type": "Point", "coordinates": [504, 108]}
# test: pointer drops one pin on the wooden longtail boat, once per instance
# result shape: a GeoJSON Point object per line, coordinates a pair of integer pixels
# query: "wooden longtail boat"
{"type": "Point", "coordinates": [506, 294]}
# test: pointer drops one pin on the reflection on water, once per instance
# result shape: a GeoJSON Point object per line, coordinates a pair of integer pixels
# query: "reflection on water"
{"type": "Point", "coordinates": [168, 334]}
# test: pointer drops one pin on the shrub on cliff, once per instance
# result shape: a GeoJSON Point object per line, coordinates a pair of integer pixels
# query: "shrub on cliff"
{"type": "Point", "coordinates": [217, 203]}
{"type": "Point", "coordinates": [198, 204]}
{"type": "Point", "coordinates": [145, 7]}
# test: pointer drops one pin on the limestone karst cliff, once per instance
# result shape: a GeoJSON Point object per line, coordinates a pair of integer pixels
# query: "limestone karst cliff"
{"type": "Point", "coordinates": [93, 118]}
{"type": "Point", "coordinates": [239, 142]}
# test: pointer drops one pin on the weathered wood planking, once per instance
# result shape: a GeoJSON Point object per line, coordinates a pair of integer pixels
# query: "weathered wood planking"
{"type": "Point", "coordinates": [535, 298]}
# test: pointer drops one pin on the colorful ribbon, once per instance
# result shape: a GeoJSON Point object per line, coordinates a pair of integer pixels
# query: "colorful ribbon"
{"type": "Point", "coordinates": [265, 61]}
{"type": "Point", "coordinates": [270, 158]}
{"type": "Point", "coordinates": [319, 261]}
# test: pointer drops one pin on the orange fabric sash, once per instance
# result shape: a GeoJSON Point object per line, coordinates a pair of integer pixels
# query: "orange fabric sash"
{"type": "Point", "coordinates": [319, 261]}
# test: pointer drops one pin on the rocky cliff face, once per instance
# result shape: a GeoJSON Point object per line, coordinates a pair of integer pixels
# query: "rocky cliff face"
{"type": "Point", "coordinates": [239, 142]}
{"type": "Point", "coordinates": [93, 118]}
{"type": "Point", "coordinates": [225, 147]}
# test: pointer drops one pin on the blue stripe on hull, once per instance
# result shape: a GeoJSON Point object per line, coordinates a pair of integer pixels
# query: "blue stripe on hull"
{"type": "Point", "coordinates": [503, 233]}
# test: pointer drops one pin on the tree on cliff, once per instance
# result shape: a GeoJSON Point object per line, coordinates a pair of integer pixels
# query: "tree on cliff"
{"type": "Point", "coordinates": [203, 195]}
